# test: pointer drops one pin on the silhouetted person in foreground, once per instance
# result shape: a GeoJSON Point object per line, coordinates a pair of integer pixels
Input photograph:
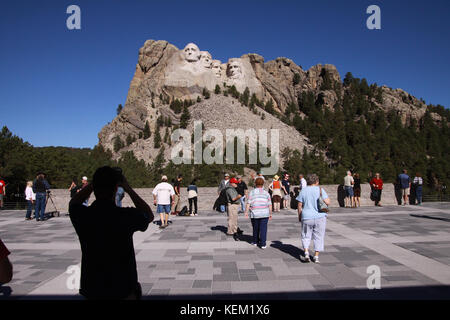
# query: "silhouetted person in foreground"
{"type": "Point", "coordinates": [6, 269]}
{"type": "Point", "coordinates": [105, 231]}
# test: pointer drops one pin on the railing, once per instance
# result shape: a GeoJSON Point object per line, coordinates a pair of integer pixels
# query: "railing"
{"type": "Point", "coordinates": [436, 198]}
{"type": "Point", "coordinates": [18, 205]}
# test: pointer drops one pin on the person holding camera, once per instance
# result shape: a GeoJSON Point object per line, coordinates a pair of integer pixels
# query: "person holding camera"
{"type": "Point", "coordinates": [105, 232]}
{"type": "Point", "coordinates": [40, 188]}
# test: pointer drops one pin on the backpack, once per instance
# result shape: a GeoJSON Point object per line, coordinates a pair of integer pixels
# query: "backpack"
{"type": "Point", "coordinates": [184, 211]}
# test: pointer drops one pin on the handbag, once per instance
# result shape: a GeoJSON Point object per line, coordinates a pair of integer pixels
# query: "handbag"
{"type": "Point", "coordinates": [321, 205]}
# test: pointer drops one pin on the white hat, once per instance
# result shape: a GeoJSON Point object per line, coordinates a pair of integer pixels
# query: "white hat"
{"type": "Point", "coordinates": [164, 178]}
{"type": "Point", "coordinates": [84, 178]}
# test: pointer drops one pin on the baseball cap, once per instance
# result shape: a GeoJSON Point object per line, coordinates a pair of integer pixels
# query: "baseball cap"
{"type": "Point", "coordinates": [227, 175]}
{"type": "Point", "coordinates": [233, 180]}
{"type": "Point", "coordinates": [164, 178]}
{"type": "Point", "coordinates": [85, 178]}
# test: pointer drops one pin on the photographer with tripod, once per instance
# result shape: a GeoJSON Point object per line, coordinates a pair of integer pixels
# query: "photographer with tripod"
{"type": "Point", "coordinates": [105, 231]}
{"type": "Point", "coordinates": [40, 188]}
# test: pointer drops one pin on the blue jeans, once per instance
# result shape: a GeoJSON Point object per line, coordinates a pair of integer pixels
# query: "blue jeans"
{"type": "Point", "coordinates": [259, 231]}
{"type": "Point", "coordinates": [242, 203]}
{"type": "Point", "coordinates": [29, 208]}
{"type": "Point", "coordinates": [419, 194]}
{"type": "Point", "coordinates": [40, 205]}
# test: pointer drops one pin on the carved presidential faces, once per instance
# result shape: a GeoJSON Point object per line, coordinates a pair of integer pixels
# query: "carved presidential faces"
{"type": "Point", "coordinates": [234, 69]}
{"type": "Point", "coordinates": [191, 52]}
{"type": "Point", "coordinates": [216, 68]}
{"type": "Point", "coordinates": [205, 59]}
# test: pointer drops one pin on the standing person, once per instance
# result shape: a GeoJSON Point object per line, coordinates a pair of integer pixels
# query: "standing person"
{"type": "Point", "coordinates": [2, 192]}
{"type": "Point", "coordinates": [40, 188]}
{"type": "Point", "coordinates": [348, 186]}
{"type": "Point", "coordinates": [105, 232]}
{"type": "Point", "coordinates": [377, 186]}
{"type": "Point", "coordinates": [232, 209]}
{"type": "Point", "coordinates": [6, 268]}
{"type": "Point", "coordinates": [287, 187]}
{"type": "Point", "coordinates": [177, 198]}
{"type": "Point", "coordinates": [357, 190]}
{"type": "Point", "coordinates": [222, 186]}
{"type": "Point", "coordinates": [30, 196]}
{"type": "Point", "coordinates": [163, 197]}
{"type": "Point", "coordinates": [84, 183]}
{"type": "Point", "coordinates": [192, 198]}
{"type": "Point", "coordinates": [418, 183]}
{"type": "Point", "coordinates": [242, 189]}
{"type": "Point", "coordinates": [260, 207]}
{"type": "Point", "coordinates": [302, 183]}
{"type": "Point", "coordinates": [405, 185]}
{"type": "Point", "coordinates": [73, 189]}
{"type": "Point", "coordinates": [275, 186]}
{"type": "Point", "coordinates": [313, 221]}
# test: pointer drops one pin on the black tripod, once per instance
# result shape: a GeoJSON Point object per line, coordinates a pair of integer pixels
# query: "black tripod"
{"type": "Point", "coordinates": [52, 213]}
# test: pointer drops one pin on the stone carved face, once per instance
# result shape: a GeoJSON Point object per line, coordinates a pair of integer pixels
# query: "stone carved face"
{"type": "Point", "coordinates": [205, 59]}
{"type": "Point", "coordinates": [191, 52]}
{"type": "Point", "coordinates": [234, 69]}
{"type": "Point", "coordinates": [216, 68]}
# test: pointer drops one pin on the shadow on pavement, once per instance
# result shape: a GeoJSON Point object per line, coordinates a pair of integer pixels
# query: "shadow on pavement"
{"type": "Point", "coordinates": [430, 217]}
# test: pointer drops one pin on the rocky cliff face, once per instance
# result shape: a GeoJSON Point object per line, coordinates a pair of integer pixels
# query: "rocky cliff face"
{"type": "Point", "coordinates": [164, 73]}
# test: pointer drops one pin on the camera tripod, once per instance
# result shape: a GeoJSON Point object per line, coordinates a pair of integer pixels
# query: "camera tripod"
{"type": "Point", "coordinates": [52, 213]}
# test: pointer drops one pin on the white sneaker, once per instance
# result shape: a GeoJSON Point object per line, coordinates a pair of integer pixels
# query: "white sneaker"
{"type": "Point", "coordinates": [263, 247]}
{"type": "Point", "coordinates": [316, 259]}
{"type": "Point", "coordinates": [305, 258]}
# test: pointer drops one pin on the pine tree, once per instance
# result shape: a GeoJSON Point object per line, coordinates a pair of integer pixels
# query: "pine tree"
{"type": "Point", "coordinates": [118, 144]}
{"type": "Point", "coordinates": [157, 139]}
{"type": "Point", "coordinates": [146, 132]}
{"type": "Point", "coordinates": [185, 116]}
{"type": "Point", "coordinates": [119, 109]}
{"type": "Point", "coordinates": [217, 89]}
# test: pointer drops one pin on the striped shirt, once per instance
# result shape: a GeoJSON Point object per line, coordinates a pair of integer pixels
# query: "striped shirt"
{"type": "Point", "coordinates": [418, 181]}
{"type": "Point", "coordinates": [259, 201]}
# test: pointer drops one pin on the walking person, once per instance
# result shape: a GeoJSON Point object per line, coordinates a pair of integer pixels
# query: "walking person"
{"type": "Point", "coordinates": [260, 207]}
{"type": "Point", "coordinates": [357, 190]}
{"type": "Point", "coordinates": [2, 192]}
{"type": "Point", "coordinates": [232, 209]}
{"type": "Point", "coordinates": [312, 220]}
{"type": "Point", "coordinates": [242, 189]}
{"type": "Point", "coordinates": [177, 197]}
{"type": "Point", "coordinates": [276, 187]}
{"type": "Point", "coordinates": [40, 188]}
{"type": "Point", "coordinates": [287, 188]}
{"type": "Point", "coordinates": [105, 232]}
{"type": "Point", "coordinates": [30, 196]}
{"type": "Point", "coordinates": [377, 187]}
{"type": "Point", "coordinates": [222, 186]}
{"type": "Point", "coordinates": [405, 185]}
{"type": "Point", "coordinates": [348, 186]}
{"type": "Point", "coordinates": [418, 183]}
{"type": "Point", "coordinates": [192, 198]}
{"type": "Point", "coordinates": [163, 198]}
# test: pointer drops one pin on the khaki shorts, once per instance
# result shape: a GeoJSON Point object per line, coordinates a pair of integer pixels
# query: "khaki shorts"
{"type": "Point", "coordinates": [405, 192]}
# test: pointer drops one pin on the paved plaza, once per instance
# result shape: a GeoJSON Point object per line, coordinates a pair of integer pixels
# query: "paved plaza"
{"type": "Point", "coordinates": [194, 259]}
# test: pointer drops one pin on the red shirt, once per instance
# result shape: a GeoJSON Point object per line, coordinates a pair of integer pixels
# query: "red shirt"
{"type": "Point", "coordinates": [3, 251]}
{"type": "Point", "coordinates": [377, 182]}
{"type": "Point", "coordinates": [2, 186]}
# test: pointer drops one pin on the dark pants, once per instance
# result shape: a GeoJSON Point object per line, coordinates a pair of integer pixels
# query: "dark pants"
{"type": "Point", "coordinates": [377, 196]}
{"type": "Point", "coordinates": [29, 208]}
{"type": "Point", "coordinates": [260, 231]}
{"type": "Point", "coordinates": [419, 194]}
{"type": "Point", "coordinates": [190, 205]}
{"type": "Point", "coordinates": [40, 205]}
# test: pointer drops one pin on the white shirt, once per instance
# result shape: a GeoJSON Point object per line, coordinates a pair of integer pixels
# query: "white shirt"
{"type": "Point", "coordinates": [348, 181]}
{"type": "Point", "coordinates": [29, 194]}
{"type": "Point", "coordinates": [163, 191]}
{"type": "Point", "coordinates": [303, 183]}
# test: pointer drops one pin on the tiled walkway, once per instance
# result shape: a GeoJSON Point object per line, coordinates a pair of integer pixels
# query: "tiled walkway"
{"type": "Point", "coordinates": [193, 258]}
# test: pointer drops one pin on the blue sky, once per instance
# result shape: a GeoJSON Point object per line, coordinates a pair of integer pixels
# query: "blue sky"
{"type": "Point", "coordinates": [60, 87]}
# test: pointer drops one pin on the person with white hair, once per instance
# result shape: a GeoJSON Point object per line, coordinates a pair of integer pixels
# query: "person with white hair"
{"type": "Point", "coordinates": [348, 186]}
{"type": "Point", "coordinates": [163, 198]}
{"type": "Point", "coordinates": [30, 196]}
{"type": "Point", "coordinates": [84, 183]}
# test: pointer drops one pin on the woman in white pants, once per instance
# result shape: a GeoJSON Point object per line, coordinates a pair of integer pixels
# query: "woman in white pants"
{"type": "Point", "coordinates": [313, 221]}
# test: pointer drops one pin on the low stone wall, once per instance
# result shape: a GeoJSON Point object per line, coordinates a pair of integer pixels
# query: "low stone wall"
{"type": "Point", "coordinates": [207, 196]}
